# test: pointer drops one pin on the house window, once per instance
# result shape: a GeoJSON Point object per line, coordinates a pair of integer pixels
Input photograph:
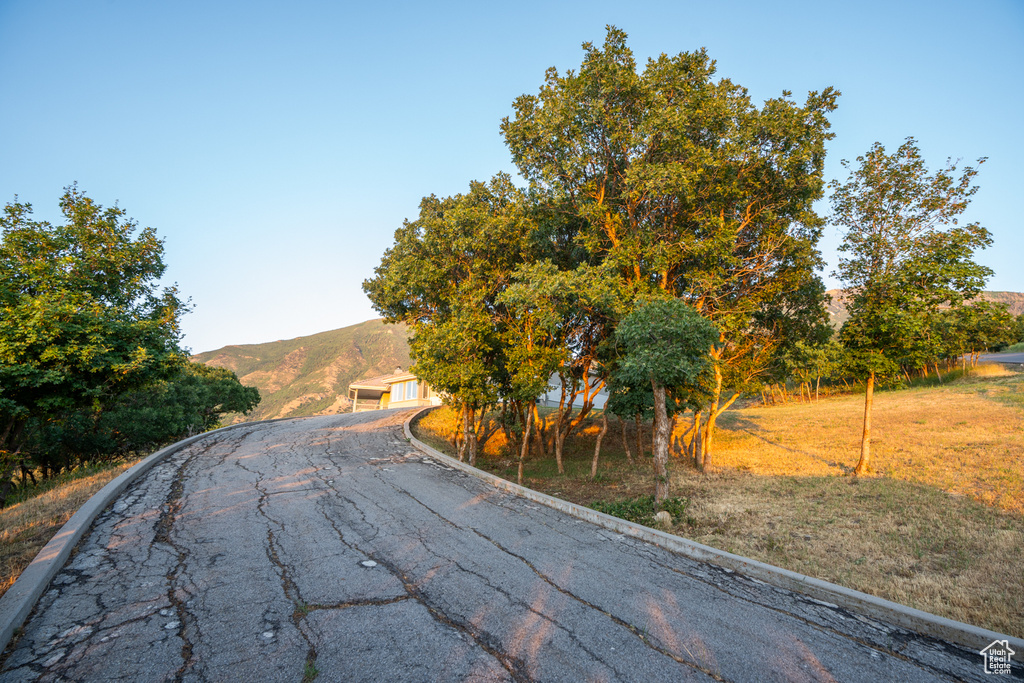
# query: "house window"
{"type": "Point", "coordinates": [404, 391]}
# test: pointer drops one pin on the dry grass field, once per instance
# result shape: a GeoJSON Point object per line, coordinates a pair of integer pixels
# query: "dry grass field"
{"type": "Point", "coordinates": [939, 527]}
{"type": "Point", "coordinates": [27, 526]}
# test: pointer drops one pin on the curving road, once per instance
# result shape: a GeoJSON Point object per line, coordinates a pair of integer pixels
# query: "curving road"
{"type": "Point", "coordinates": [326, 548]}
{"type": "Point", "coordinates": [1012, 358]}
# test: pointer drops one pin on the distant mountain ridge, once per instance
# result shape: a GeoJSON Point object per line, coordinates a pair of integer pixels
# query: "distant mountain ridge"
{"type": "Point", "coordinates": [837, 307]}
{"type": "Point", "coordinates": [310, 375]}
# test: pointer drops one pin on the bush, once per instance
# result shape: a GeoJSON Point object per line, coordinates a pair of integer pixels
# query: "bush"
{"type": "Point", "coordinates": [641, 510]}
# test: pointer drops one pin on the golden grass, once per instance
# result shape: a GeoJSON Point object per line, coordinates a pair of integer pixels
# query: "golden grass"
{"type": "Point", "coordinates": [940, 526]}
{"type": "Point", "coordinates": [29, 525]}
{"type": "Point", "coordinates": [965, 438]}
{"type": "Point", "coordinates": [989, 370]}
{"type": "Point", "coordinates": [907, 542]}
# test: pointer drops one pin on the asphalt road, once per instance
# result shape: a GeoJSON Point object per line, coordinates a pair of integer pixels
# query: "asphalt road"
{"type": "Point", "coordinates": [1016, 358]}
{"type": "Point", "coordinates": [327, 547]}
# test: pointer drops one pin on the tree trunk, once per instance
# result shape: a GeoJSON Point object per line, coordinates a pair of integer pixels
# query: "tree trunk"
{"type": "Point", "coordinates": [698, 445]}
{"type": "Point", "coordinates": [566, 429]}
{"type": "Point", "coordinates": [526, 443]}
{"type": "Point", "coordinates": [26, 474]}
{"type": "Point", "coordinates": [937, 373]}
{"type": "Point", "coordinates": [10, 456]}
{"type": "Point", "coordinates": [659, 445]}
{"type": "Point", "coordinates": [541, 432]}
{"type": "Point", "coordinates": [865, 444]}
{"type": "Point", "coordinates": [471, 437]}
{"type": "Point", "coordinates": [676, 445]}
{"type": "Point", "coordinates": [597, 446]}
{"type": "Point", "coordinates": [564, 423]}
{"type": "Point", "coordinates": [510, 434]}
{"type": "Point", "coordinates": [639, 437]}
{"type": "Point", "coordinates": [6, 484]}
{"type": "Point", "coordinates": [559, 444]}
{"type": "Point", "coordinates": [709, 427]}
{"type": "Point", "coordinates": [625, 441]}
{"type": "Point", "coordinates": [694, 434]}
{"type": "Point", "coordinates": [465, 431]}
{"type": "Point", "coordinates": [484, 434]}
{"type": "Point", "coordinates": [817, 386]}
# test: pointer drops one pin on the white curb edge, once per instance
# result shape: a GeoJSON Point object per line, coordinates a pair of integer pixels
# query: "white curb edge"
{"type": "Point", "coordinates": [17, 603]}
{"type": "Point", "coordinates": [871, 606]}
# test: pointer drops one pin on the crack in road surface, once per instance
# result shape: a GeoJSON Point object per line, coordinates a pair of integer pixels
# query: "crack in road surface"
{"type": "Point", "coordinates": [324, 549]}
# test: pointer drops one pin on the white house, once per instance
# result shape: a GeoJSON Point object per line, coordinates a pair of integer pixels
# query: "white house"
{"type": "Point", "coordinates": [398, 390]}
{"type": "Point", "coordinates": [404, 390]}
{"type": "Point", "coordinates": [551, 397]}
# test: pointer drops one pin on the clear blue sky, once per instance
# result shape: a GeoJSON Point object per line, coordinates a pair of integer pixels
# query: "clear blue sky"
{"type": "Point", "coordinates": [276, 147]}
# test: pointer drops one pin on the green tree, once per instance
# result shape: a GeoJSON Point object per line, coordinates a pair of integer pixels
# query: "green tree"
{"type": "Point", "coordinates": [534, 350]}
{"type": "Point", "coordinates": [443, 277]}
{"type": "Point", "coordinates": [685, 186]}
{"type": "Point", "coordinates": [996, 327]}
{"type": "Point", "coordinates": [82, 318]}
{"type": "Point", "coordinates": [192, 401]}
{"type": "Point", "coordinates": [665, 346]}
{"type": "Point", "coordinates": [574, 310]}
{"type": "Point", "coordinates": [903, 256]}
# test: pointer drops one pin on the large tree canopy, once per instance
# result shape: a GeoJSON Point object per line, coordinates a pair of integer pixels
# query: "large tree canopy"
{"type": "Point", "coordinates": [443, 277]}
{"type": "Point", "coordinates": [684, 185]}
{"type": "Point", "coordinates": [82, 316]}
{"type": "Point", "coordinates": [904, 255]}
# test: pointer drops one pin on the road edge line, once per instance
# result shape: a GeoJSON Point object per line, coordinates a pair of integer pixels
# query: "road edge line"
{"type": "Point", "coordinates": [20, 599]}
{"type": "Point", "coordinates": [919, 621]}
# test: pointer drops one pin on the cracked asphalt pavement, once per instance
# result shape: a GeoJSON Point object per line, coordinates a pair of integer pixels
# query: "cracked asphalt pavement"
{"type": "Point", "coordinates": [328, 549]}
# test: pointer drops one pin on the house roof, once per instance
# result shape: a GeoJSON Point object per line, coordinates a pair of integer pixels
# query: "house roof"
{"type": "Point", "coordinates": [382, 382]}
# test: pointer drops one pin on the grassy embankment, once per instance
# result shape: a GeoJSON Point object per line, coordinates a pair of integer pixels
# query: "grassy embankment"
{"type": "Point", "coordinates": [31, 520]}
{"type": "Point", "coordinates": [940, 527]}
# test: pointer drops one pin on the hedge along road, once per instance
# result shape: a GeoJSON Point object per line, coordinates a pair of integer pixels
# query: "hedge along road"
{"type": "Point", "coordinates": [328, 548]}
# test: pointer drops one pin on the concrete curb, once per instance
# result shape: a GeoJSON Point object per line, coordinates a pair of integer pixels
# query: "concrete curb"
{"type": "Point", "coordinates": [861, 603]}
{"type": "Point", "coordinates": [18, 601]}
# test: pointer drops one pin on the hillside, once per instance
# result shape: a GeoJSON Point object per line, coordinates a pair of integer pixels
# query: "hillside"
{"type": "Point", "coordinates": [837, 308]}
{"type": "Point", "coordinates": [310, 375]}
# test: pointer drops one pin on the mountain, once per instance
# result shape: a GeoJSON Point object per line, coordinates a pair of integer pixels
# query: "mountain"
{"type": "Point", "coordinates": [837, 308]}
{"type": "Point", "coordinates": [310, 375]}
